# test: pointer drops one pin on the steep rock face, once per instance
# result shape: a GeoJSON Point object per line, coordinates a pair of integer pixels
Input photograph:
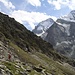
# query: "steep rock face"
{"type": "Point", "coordinates": [69, 44]}
{"type": "Point", "coordinates": [43, 26]}
{"type": "Point", "coordinates": [59, 37]}
{"type": "Point", "coordinates": [63, 37]}
{"type": "Point", "coordinates": [55, 30]}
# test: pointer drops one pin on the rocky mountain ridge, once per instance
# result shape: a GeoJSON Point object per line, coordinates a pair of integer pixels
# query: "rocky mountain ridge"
{"type": "Point", "coordinates": [61, 35]}
{"type": "Point", "coordinates": [43, 26]}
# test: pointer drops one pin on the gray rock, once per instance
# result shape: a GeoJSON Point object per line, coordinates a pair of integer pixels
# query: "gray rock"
{"type": "Point", "coordinates": [61, 34]}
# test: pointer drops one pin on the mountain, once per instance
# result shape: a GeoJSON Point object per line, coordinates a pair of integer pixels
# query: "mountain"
{"type": "Point", "coordinates": [70, 16]}
{"type": "Point", "coordinates": [23, 53]}
{"type": "Point", "coordinates": [43, 26]}
{"type": "Point", "coordinates": [61, 35]}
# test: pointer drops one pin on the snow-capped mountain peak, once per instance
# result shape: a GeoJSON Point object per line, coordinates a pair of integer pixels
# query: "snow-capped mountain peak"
{"type": "Point", "coordinates": [70, 17]}
{"type": "Point", "coordinates": [46, 24]}
{"type": "Point", "coordinates": [43, 26]}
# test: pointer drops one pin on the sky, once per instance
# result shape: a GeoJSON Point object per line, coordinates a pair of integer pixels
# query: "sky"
{"type": "Point", "coordinates": [31, 12]}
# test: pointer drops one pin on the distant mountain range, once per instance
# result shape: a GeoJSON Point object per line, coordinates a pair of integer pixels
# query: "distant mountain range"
{"type": "Point", "coordinates": [61, 34]}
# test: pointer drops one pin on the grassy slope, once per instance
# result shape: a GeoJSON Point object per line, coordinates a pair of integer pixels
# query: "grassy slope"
{"type": "Point", "coordinates": [51, 66]}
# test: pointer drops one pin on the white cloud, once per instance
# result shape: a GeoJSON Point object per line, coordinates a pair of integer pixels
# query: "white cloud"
{"type": "Point", "coordinates": [34, 2]}
{"type": "Point", "coordinates": [62, 3]}
{"type": "Point", "coordinates": [55, 3]}
{"type": "Point", "coordinates": [30, 17]}
{"type": "Point", "coordinates": [71, 4]}
{"type": "Point", "coordinates": [8, 4]}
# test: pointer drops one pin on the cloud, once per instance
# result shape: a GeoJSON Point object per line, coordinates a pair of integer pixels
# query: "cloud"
{"type": "Point", "coordinates": [58, 4]}
{"type": "Point", "coordinates": [55, 3]}
{"type": "Point", "coordinates": [8, 4]}
{"type": "Point", "coordinates": [71, 4]}
{"type": "Point", "coordinates": [34, 2]}
{"type": "Point", "coordinates": [30, 17]}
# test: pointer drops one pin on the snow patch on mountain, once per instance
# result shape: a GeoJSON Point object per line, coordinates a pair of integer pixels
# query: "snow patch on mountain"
{"type": "Point", "coordinates": [46, 24]}
{"type": "Point", "coordinates": [62, 28]}
{"type": "Point", "coordinates": [66, 26]}
{"type": "Point", "coordinates": [63, 42]}
{"type": "Point", "coordinates": [66, 42]}
{"type": "Point", "coordinates": [72, 52]}
{"type": "Point", "coordinates": [70, 17]}
{"type": "Point", "coordinates": [57, 43]}
{"type": "Point", "coordinates": [40, 33]}
{"type": "Point", "coordinates": [41, 28]}
{"type": "Point", "coordinates": [44, 35]}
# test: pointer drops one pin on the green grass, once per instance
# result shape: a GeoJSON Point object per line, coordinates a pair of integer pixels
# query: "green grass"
{"type": "Point", "coordinates": [24, 56]}
{"type": "Point", "coordinates": [11, 66]}
{"type": "Point", "coordinates": [50, 65]}
{"type": "Point", "coordinates": [34, 73]}
{"type": "Point", "coordinates": [54, 67]}
{"type": "Point", "coordinates": [37, 58]}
